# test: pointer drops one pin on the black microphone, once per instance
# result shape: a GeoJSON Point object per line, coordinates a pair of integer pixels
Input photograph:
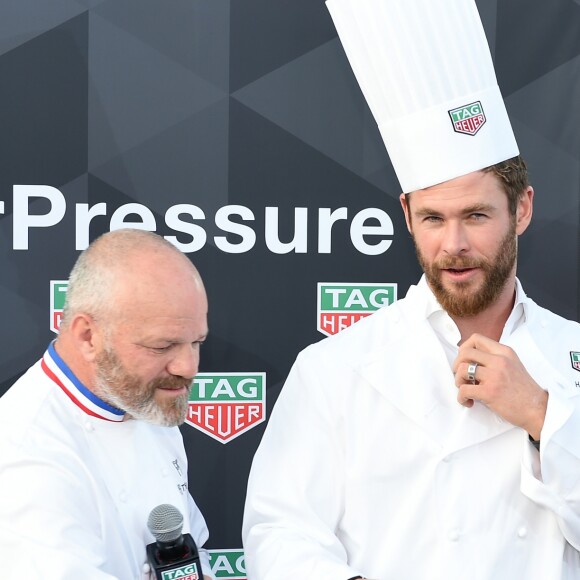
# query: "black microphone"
{"type": "Point", "coordinates": [174, 556]}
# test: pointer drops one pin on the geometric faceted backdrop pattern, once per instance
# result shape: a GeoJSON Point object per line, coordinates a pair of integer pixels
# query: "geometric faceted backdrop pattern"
{"type": "Point", "coordinates": [237, 129]}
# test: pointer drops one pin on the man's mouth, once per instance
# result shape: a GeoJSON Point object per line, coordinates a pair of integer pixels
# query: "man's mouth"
{"type": "Point", "coordinates": [459, 274]}
{"type": "Point", "coordinates": [174, 386]}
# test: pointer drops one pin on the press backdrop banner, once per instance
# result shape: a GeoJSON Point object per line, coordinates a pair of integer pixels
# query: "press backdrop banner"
{"type": "Point", "coordinates": [236, 129]}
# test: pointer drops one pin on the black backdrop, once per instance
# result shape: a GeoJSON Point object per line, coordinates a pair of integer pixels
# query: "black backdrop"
{"type": "Point", "coordinates": [237, 128]}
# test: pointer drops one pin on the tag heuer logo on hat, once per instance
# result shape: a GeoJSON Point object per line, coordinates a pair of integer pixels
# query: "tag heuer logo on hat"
{"type": "Point", "coordinates": [58, 290]}
{"type": "Point", "coordinates": [340, 305]}
{"type": "Point", "coordinates": [468, 119]}
{"type": "Point", "coordinates": [575, 358]}
{"type": "Point", "coordinates": [229, 564]}
{"type": "Point", "coordinates": [225, 405]}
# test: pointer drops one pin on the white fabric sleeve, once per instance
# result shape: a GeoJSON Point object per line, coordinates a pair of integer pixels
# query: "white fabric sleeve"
{"type": "Point", "coordinates": [553, 479]}
{"type": "Point", "coordinates": [295, 492]}
{"type": "Point", "coordinates": [199, 533]}
{"type": "Point", "coordinates": [49, 527]}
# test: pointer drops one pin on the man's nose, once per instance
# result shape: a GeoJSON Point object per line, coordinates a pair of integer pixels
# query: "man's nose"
{"type": "Point", "coordinates": [185, 362]}
{"type": "Point", "coordinates": [455, 239]}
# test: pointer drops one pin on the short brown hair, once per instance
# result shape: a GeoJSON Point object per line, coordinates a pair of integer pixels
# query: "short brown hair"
{"type": "Point", "coordinates": [513, 175]}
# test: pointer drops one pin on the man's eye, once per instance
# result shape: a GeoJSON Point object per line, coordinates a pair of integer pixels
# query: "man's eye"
{"type": "Point", "coordinates": [160, 348]}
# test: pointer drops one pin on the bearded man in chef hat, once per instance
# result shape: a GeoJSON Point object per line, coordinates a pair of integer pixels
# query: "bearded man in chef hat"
{"type": "Point", "coordinates": [439, 438]}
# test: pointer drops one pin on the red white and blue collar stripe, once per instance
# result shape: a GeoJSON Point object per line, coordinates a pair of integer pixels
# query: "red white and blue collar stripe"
{"type": "Point", "coordinates": [58, 371]}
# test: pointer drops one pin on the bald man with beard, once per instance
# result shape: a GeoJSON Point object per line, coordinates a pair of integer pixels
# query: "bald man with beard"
{"type": "Point", "coordinates": [89, 443]}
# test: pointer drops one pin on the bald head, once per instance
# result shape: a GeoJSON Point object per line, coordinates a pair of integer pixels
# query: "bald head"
{"type": "Point", "coordinates": [121, 268]}
{"type": "Point", "coordinates": [134, 319]}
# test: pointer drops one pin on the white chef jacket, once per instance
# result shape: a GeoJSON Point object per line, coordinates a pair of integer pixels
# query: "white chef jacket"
{"type": "Point", "coordinates": [370, 466]}
{"type": "Point", "coordinates": [77, 482]}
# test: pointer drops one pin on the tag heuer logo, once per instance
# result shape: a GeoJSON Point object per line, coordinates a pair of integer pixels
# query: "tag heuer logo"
{"type": "Point", "coordinates": [468, 119]}
{"type": "Point", "coordinates": [340, 305]}
{"type": "Point", "coordinates": [575, 358]}
{"type": "Point", "coordinates": [228, 564]}
{"type": "Point", "coordinates": [226, 405]}
{"type": "Point", "coordinates": [187, 572]}
{"type": "Point", "coordinates": [58, 290]}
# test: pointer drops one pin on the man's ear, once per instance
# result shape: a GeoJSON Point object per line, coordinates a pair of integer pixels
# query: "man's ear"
{"type": "Point", "coordinates": [524, 210]}
{"type": "Point", "coordinates": [86, 335]}
{"type": "Point", "coordinates": [404, 199]}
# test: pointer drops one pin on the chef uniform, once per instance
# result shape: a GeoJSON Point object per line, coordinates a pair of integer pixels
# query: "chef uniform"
{"type": "Point", "coordinates": [77, 482]}
{"type": "Point", "coordinates": [369, 466]}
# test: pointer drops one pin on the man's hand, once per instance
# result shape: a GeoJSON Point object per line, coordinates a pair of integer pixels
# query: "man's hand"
{"type": "Point", "coordinates": [501, 383]}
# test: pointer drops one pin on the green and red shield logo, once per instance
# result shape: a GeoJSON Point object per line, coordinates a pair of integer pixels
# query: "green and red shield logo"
{"type": "Point", "coordinates": [228, 564]}
{"type": "Point", "coordinates": [58, 290]}
{"type": "Point", "coordinates": [468, 119]}
{"type": "Point", "coordinates": [340, 305]}
{"type": "Point", "coordinates": [575, 359]}
{"type": "Point", "coordinates": [187, 572]}
{"type": "Point", "coordinates": [225, 405]}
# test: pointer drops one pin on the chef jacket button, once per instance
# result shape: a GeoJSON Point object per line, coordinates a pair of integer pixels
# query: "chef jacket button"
{"type": "Point", "coordinates": [543, 323]}
{"type": "Point", "coordinates": [89, 426]}
{"type": "Point", "coordinates": [164, 472]}
{"type": "Point", "coordinates": [453, 535]}
{"type": "Point", "coordinates": [146, 568]}
{"type": "Point", "coordinates": [123, 496]}
{"type": "Point", "coordinates": [522, 532]}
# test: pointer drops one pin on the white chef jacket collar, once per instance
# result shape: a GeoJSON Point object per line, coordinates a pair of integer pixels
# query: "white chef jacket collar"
{"type": "Point", "coordinates": [59, 372]}
{"type": "Point", "coordinates": [519, 313]}
{"type": "Point", "coordinates": [444, 326]}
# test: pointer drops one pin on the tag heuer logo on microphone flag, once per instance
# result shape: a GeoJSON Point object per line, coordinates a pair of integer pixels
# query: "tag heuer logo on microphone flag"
{"type": "Point", "coordinates": [187, 572]}
{"type": "Point", "coordinates": [228, 564]}
{"type": "Point", "coordinates": [58, 290]}
{"type": "Point", "coordinates": [225, 405]}
{"type": "Point", "coordinates": [468, 119]}
{"type": "Point", "coordinates": [342, 304]}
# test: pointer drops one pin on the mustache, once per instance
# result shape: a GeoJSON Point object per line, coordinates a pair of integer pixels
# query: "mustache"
{"type": "Point", "coordinates": [172, 383]}
{"type": "Point", "coordinates": [459, 263]}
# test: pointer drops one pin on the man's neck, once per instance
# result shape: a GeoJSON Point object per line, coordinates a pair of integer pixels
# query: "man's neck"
{"type": "Point", "coordinates": [491, 321]}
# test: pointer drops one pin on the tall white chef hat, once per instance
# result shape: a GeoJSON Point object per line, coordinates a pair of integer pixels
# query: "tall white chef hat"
{"type": "Point", "coordinates": [425, 69]}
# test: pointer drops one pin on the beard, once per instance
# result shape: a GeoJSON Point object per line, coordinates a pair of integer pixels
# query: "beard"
{"type": "Point", "coordinates": [463, 300]}
{"type": "Point", "coordinates": [128, 392]}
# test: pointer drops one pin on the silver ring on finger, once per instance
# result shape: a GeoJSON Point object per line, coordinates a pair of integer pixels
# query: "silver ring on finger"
{"type": "Point", "coordinates": [471, 370]}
